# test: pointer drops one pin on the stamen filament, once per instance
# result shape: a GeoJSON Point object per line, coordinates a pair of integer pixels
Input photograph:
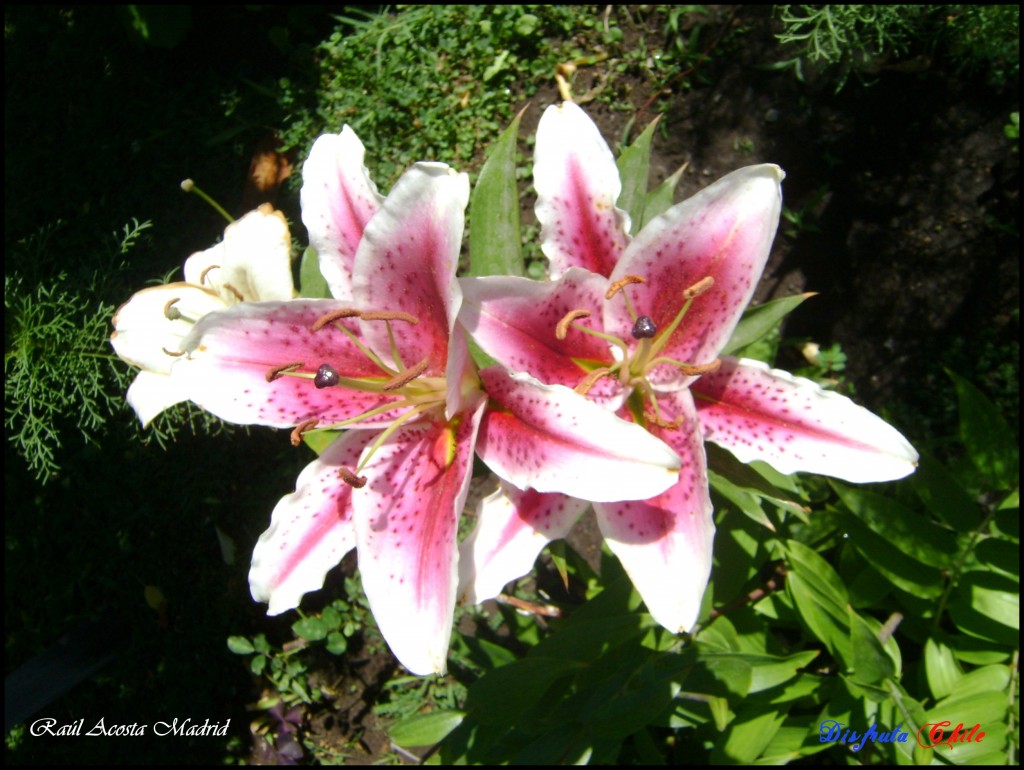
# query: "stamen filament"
{"type": "Point", "coordinates": [690, 369]}
{"type": "Point", "coordinates": [620, 285]}
{"type": "Point", "coordinates": [607, 337]}
{"type": "Point", "coordinates": [689, 295]}
{"type": "Point", "coordinates": [386, 433]}
{"type": "Point", "coordinates": [368, 353]}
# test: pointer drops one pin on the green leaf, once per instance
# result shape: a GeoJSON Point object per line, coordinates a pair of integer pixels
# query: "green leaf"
{"type": "Point", "coordinates": [337, 644]}
{"type": "Point", "coordinates": [871, 662]}
{"type": "Point", "coordinates": [987, 605]}
{"type": "Point", "coordinates": [494, 238]}
{"type": "Point", "coordinates": [820, 597]}
{"type": "Point", "coordinates": [942, 494]}
{"type": "Point", "coordinates": [425, 729]}
{"type": "Point", "coordinates": [941, 668]}
{"type": "Point", "coordinates": [503, 695]}
{"type": "Point", "coordinates": [319, 440]}
{"type": "Point", "coordinates": [634, 168]}
{"type": "Point", "coordinates": [987, 436]}
{"type": "Point", "coordinates": [311, 280]}
{"type": "Point", "coordinates": [906, 574]}
{"type": "Point", "coordinates": [760, 321]}
{"type": "Point", "coordinates": [312, 628]}
{"type": "Point", "coordinates": [747, 735]}
{"type": "Point", "coordinates": [240, 645]}
{"type": "Point", "coordinates": [661, 198]}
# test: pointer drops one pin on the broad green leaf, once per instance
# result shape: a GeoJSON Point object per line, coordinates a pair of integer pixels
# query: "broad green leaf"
{"type": "Point", "coordinates": [941, 668]}
{"type": "Point", "coordinates": [989, 440]}
{"type": "Point", "coordinates": [942, 494]}
{"type": "Point", "coordinates": [425, 729]}
{"type": "Point", "coordinates": [742, 499]}
{"type": "Point", "coordinates": [634, 166]}
{"type": "Point", "coordinates": [819, 596]}
{"type": "Point", "coordinates": [987, 605]}
{"type": "Point", "coordinates": [906, 574]}
{"type": "Point", "coordinates": [983, 680]}
{"type": "Point", "coordinates": [730, 670]}
{"type": "Point", "coordinates": [555, 747]}
{"type": "Point", "coordinates": [795, 739]}
{"type": "Point", "coordinates": [765, 671]}
{"type": "Point", "coordinates": [643, 697]}
{"type": "Point", "coordinates": [494, 237]}
{"type": "Point", "coordinates": [311, 280]}
{"type": "Point", "coordinates": [909, 532]}
{"type": "Point", "coordinates": [588, 639]}
{"type": "Point", "coordinates": [747, 735]}
{"type": "Point", "coordinates": [503, 695]}
{"type": "Point", "coordinates": [984, 708]}
{"type": "Point", "coordinates": [760, 320]}
{"type": "Point", "coordinates": [485, 653]}
{"type": "Point", "coordinates": [1001, 555]}
{"type": "Point", "coordinates": [871, 662]}
{"type": "Point", "coordinates": [661, 198]}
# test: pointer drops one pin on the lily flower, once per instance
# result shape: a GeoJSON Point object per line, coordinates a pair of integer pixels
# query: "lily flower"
{"type": "Point", "coordinates": [638, 325]}
{"type": "Point", "coordinates": [251, 264]}
{"type": "Point", "coordinates": [390, 364]}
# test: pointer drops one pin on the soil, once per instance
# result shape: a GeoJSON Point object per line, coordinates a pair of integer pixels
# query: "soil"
{"type": "Point", "coordinates": [907, 191]}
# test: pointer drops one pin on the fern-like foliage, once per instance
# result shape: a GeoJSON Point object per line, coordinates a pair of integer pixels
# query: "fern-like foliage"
{"type": "Point", "coordinates": [62, 378]}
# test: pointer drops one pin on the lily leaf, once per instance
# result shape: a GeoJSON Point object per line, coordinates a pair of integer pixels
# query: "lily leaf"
{"type": "Point", "coordinates": [494, 239]}
{"type": "Point", "coordinates": [311, 281]}
{"type": "Point", "coordinates": [987, 437]}
{"type": "Point", "coordinates": [634, 167]}
{"type": "Point", "coordinates": [759, 321]}
{"type": "Point", "coordinates": [661, 198]}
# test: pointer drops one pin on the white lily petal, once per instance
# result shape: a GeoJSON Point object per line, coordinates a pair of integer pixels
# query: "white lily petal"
{"type": "Point", "coordinates": [760, 413]}
{"type": "Point", "coordinates": [577, 185]}
{"type": "Point", "coordinates": [512, 529]}
{"type": "Point", "coordinates": [310, 529]}
{"type": "Point", "coordinates": [150, 393]}
{"type": "Point", "coordinates": [548, 438]}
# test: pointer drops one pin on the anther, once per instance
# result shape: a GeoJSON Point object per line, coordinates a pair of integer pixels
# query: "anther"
{"type": "Point", "coordinates": [326, 377]}
{"type": "Point", "coordinates": [389, 315]}
{"type": "Point", "coordinates": [562, 329]}
{"type": "Point", "coordinates": [407, 376]}
{"type": "Point", "coordinates": [301, 428]}
{"type": "Point", "coordinates": [334, 315]}
{"type": "Point", "coordinates": [202, 275]}
{"type": "Point", "coordinates": [662, 422]}
{"type": "Point", "coordinates": [699, 288]}
{"type": "Point", "coordinates": [172, 313]}
{"type": "Point", "coordinates": [644, 328]}
{"type": "Point", "coordinates": [351, 479]}
{"type": "Point", "coordinates": [276, 372]}
{"type": "Point", "coordinates": [588, 382]}
{"type": "Point", "coordinates": [622, 283]}
{"type": "Point", "coordinates": [698, 369]}
{"type": "Point", "coordinates": [236, 292]}
{"type": "Point", "coordinates": [175, 353]}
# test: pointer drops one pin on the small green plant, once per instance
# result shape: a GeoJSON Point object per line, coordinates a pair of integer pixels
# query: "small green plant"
{"type": "Point", "coordinates": [1012, 128]}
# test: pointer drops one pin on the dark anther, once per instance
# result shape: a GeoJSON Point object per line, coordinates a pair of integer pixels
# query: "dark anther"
{"type": "Point", "coordinates": [326, 376]}
{"type": "Point", "coordinates": [644, 328]}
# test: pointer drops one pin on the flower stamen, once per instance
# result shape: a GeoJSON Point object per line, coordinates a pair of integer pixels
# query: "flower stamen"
{"type": "Point", "coordinates": [389, 315]}
{"type": "Point", "coordinates": [334, 315]}
{"type": "Point", "coordinates": [202, 275]}
{"type": "Point", "coordinates": [562, 329]}
{"type": "Point", "coordinates": [172, 313]}
{"type": "Point", "coordinates": [358, 482]}
{"type": "Point", "coordinates": [280, 371]}
{"type": "Point", "coordinates": [699, 288]}
{"type": "Point", "coordinates": [174, 354]}
{"type": "Point", "coordinates": [622, 283]}
{"type": "Point", "coordinates": [236, 292]}
{"type": "Point", "coordinates": [301, 428]}
{"type": "Point", "coordinates": [695, 370]}
{"type": "Point", "coordinates": [591, 379]}
{"type": "Point", "coordinates": [406, 377]}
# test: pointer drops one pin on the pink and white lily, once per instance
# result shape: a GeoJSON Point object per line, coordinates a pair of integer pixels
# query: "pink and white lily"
{"type": "Point", "coordinates": [638, 325]}
{"type": "Point", "coordinates": [389, 362]}
{"type": "Point", "coordinates": [251, 264]}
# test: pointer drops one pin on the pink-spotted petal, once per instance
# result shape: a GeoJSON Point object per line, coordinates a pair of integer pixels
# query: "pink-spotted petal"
{"type": "Point", "coordinates": [310, 529]}
{"type": "Point", "coordinates": [577, 185]}
{"type": "Point", "coordinates": [406, 521]}
{"type": "Point", "coordinates": [406, 262]}
{"type": "Point", "coordinates": [252, 263]}
{"type": "Point", "coordinates": [338, 199]}
{"type": "Point", "coordinates": [231, 353]}
{"type": "Point", "coordinates": [723, 232]}
{"type": "Point", "coordinates": [511, 530]}
{"type": "Point", "coordinates": [548, 438]}
{"type": "Point", "coordinates": [665, 542]}
{"type": "Point", "coordinates": [759, 413]}
{"type": "Point", "coordinates": [514, 321]}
